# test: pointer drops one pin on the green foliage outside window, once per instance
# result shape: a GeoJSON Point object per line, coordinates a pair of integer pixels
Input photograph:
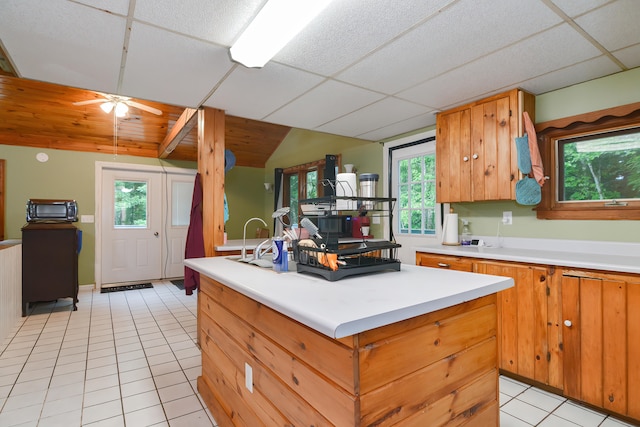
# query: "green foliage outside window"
{"type": "Point", "coordinates": [130, 204]}
{"type": "Point", "coordinates": [417, 195]}
{"type": "Point", "coordinates": [293, 196]}
{"type": "Point", "coordinates": [600, 168]}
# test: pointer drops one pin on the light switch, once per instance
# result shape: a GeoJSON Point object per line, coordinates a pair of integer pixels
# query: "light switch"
{"type": "Point", "coordinates": [87, 218]}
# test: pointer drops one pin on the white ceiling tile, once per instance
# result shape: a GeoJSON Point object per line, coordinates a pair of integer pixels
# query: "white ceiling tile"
{"type": "Point", "coordinates": [120, 7]}
{"type": "Point", "coordinates": [574, 8]}
{"type": "Point", "coordinates": [551, 50]}
{"type": "Point", "coordinates": [629, 56]}
{"type": "Point", "coordinates": [255, 93]}
{"type": "Point", "coordinates": [626, 32]}
{"type": "Point", "coordinates": [63, 42]}
{"type": "Point", "coordinates": [171, 68]}
{"type": "Point", "coordinates": [379, 114]}
{"type": "Point", "coordinates": [422, 121]}
{"type": "Point", "coordinates": [322, 104]}
{"type": "Point", "coordinates": [349, 29]}
{"type": "Point", "coordinates": [585, 71]}
{"type": "Point", "coordinates": [450, 39]}
{"type": "Point", "coordinates": [433, 53]}
{"type": "Point", "coordinates": [219, 21]}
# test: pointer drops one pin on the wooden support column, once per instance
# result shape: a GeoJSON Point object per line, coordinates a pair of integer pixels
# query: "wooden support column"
{"type": "Point", "coordinates": [211, 169]}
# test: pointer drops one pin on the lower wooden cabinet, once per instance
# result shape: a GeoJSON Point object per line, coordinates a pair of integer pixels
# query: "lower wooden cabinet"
{"type": "Point", "coordinates": [601, 339]}
{"type": "Point", "coordinates": [577, 331]}
{"type": "Point", "coordinates": [444, 261]}
{"type": "Point", "coordinates": [527, 321]}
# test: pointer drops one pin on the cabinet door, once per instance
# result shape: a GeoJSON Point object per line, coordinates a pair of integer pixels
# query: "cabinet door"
{"type": "Point", "coordinates": [523, 317]}
{"type": "Point", "coordinates": [491, 143]}
{"type": "Point", "coordinates": [444, 261]}
{"type": "Point", "coordinates": [601, 338]}
{"type": "Point", "coordinates": [453, 165]}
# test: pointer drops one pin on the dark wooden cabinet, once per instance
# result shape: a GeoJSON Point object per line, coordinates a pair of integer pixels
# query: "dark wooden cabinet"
{"type": "Point", "coordinates": [49, 263]}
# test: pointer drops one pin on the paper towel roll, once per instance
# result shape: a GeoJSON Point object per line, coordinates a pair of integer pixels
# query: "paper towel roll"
{"type": "Point", "coordinates": [346, 186]}
{"type": "Point", "coordinates": [450, 229]}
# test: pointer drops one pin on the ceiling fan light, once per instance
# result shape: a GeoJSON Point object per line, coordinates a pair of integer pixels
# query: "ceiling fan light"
{"type": "Point", "coordinates": [121, 109]}
{"type": "Point", "coordinates": [107, 106]}
{"type": "Point", "coordinates": [274, 26]}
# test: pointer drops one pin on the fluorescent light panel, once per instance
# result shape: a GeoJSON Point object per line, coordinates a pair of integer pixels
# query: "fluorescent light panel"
{"type": "Point", "coordinates": [274, 26]}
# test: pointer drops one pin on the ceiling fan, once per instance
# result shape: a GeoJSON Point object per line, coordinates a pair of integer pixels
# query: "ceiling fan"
{"type": "Point", "coordinates": [120, 103]}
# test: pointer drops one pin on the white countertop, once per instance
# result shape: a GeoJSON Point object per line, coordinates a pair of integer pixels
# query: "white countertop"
{"type": "Point", "coordinates": [353, 304]}
{"type": "Point", "coordinates": [606, 256]}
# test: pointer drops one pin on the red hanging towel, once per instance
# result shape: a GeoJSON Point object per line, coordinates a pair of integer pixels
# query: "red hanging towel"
{"type": "Point", "coordinates": [194, 247]}
{"type": "Point", "coordinates": [536, 160]}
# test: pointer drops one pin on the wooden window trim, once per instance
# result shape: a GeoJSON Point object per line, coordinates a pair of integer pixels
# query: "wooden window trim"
{"type": "Point", "coordinates": [549, 132]}
{"type": "Point", "coordinates": [301, 170]}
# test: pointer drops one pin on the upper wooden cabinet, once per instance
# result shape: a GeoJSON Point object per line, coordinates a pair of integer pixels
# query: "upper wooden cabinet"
{"type": "Point", "coordinates": [475, 150]}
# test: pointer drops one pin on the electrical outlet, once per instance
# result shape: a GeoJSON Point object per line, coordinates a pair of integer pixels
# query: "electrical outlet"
{"type": "Point", "coordinates": [87, 218]}
{"type": "Point", "coordinates": [375, 219]}
{"type": "Point", "coordinates": [507, 217]}
{"type": "Point", "coordinates": [248, 377]}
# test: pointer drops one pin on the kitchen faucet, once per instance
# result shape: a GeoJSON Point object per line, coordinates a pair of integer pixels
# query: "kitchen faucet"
{"type": "Point", "coordinates": [259, 252]}
{"type": "Point", "coordinates": [243, 254]}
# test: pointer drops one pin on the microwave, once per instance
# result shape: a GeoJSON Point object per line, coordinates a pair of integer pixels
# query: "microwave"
{"type": "Point", "coordinates": [334, 225]}
{"type": "Point", "coordinates": [48, 210]}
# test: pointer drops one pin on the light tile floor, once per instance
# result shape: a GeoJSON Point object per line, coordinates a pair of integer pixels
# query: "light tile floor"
{"type": "Point", "coordinates": [130, 359]}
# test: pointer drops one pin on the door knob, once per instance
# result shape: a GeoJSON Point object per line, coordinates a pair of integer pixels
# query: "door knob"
{"type": "Point", "coordinates": [475, 156]}
{"type": "Point", "coordinates": [465, 158]}
{"type": "Point", "coordinates": [568, 323]}
{"type": "Point", "coordinates": [156, 234]}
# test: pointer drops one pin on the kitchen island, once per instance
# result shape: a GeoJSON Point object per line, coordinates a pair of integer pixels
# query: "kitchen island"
{"type": "Point", "coordinates": [414, 347]}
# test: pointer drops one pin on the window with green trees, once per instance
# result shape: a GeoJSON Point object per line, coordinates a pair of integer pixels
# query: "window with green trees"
{"type": "Point", "coordinates": [417, 195]}
{"type": "Point", "coordinates": [600, 166]}
{"type": "Point", "coordinates": [130, 204]}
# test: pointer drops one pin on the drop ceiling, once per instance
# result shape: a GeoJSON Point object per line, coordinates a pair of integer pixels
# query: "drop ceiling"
{"type": "Point", "coordinates": [365, 69]}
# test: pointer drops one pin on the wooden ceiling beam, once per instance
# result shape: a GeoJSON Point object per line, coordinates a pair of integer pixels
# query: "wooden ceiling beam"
{"type": "Point", "coordinates": [183, 126]}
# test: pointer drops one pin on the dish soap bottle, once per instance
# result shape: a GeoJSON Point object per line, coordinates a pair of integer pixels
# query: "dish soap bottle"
{"type": "Point", "coordinates": [465, 240]}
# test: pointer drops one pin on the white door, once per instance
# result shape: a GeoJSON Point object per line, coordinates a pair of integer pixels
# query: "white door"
{"type": "Point", "coordinates": [416, 216]}
{"type": "Point", "coordinates": [179, 191]}
{"type": "Point", "coordinates": [131, 223]}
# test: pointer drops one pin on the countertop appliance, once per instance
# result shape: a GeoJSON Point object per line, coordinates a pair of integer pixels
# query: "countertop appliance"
{"type": "Point", "coordinates": [52, 210]}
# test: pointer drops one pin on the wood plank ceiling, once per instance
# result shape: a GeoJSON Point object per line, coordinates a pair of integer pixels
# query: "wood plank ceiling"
{"type": "Point", "coordinates": [42, 115]}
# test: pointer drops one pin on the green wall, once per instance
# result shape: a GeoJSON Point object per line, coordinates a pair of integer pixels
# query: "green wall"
{"type": "Point", "coordinates": [66, 175]}
{"type": "Point", "coordinates": [70, 174]}
{"type": "Point", "coordinates": [618, 89]}
{"type": "Point", "coordinates": [245, 191]}
{"type": "Point", "coordinates": [303, 146]}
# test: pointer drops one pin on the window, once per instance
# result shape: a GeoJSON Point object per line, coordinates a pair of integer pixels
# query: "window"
{"type": "Point", "coordinates": [604, 167]}
{"type": "Point", "coordinates": [303, 182]}
{"type": "Point", "coordinates": [417, 195]}
{"type": "Point", "coordinates": [593, 163]}
{"type": "Point", "coordinates": [130, 204]}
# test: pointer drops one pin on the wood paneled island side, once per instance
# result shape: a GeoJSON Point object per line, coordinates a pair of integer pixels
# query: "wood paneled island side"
{"type": "Point", "coordinates": [411, 348]}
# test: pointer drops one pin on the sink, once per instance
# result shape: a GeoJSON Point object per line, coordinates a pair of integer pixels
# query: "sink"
{"type": "Point", "coordinates": [262, 262]}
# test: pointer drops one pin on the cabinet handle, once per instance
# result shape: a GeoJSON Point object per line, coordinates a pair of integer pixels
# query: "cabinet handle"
{"type": "Point", "coordinates": [465, 158]}
{"type": "Point", "coordinates": [443, 265]}
{"type": "Point", "coordinates": [568, 323]}
{"type": "Point", "coordinates": [475, 156]}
